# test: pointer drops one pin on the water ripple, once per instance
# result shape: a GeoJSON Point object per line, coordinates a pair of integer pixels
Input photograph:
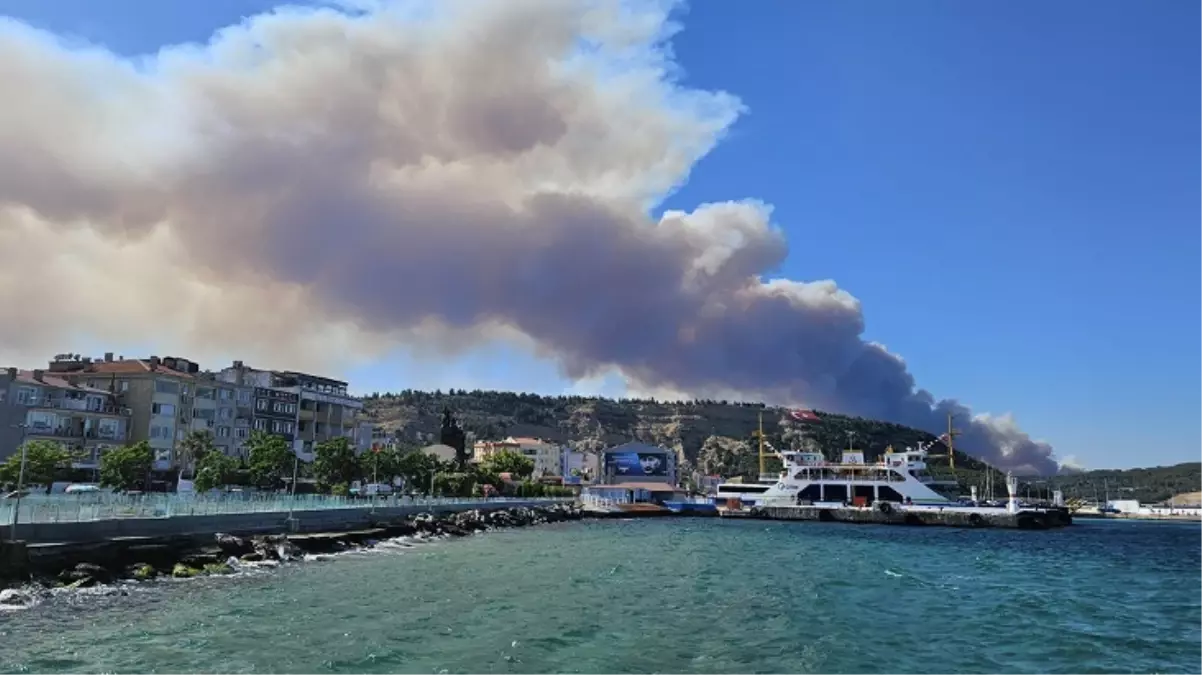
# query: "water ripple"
{"type": "Point", "coordinates": [660, 596]}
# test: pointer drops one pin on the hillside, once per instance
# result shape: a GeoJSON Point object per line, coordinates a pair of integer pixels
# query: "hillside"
{"type": "Point", "coordinates": [1148, 485]}
{"type": "Point", "coordinates": [716, 437]}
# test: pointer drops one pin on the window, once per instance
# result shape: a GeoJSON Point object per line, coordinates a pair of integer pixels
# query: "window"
{"type": "Point", "coordinates": [180, 434]}
{"type": "Point", "coordinates": [277, 407]}
{"type": "Point", "coordinates": [3, 395]}
{"type": "Point", "coordinates": [204, 414]}
{"type": "Point", "coordinates": [164, 409]}
{"type": "Point", "coordinates": [27, 396]}
{"type": "Point", "coordinates": [41, 421]}
{"type": "Point", "coordinates": [162, 455]}
{"type": "Point", "coordinates": [166, 386]}
{"type": "Point", "coordinates": [183, 389]}
{"type": "Point", "coordinates": [204, 392]}
{"type": "Point", "coordinates": [223, 432]}
{"type": "Point", "coordinates": [226, 414]}
{"type": "Point", "coordinates": [107, 428]}
{"type": "Point", "coordinates": [281, 427]}
{"type": "Point", "coordinates": [261, 424]}
{"type": "Point", "coordinates": [244, 397]}
{"type": "Point", "coordinates": [95, 403]}
{"type": "Point", "coordinates": [261, 404]}
{"type": "Point", "coordinates": [160, 431]}
{"type": "Point", "coordinates": [225, 394]}
{"type": "Point", "coordinates": [241, 422]}
{"type": "Point", "coordinates": [122, 385]}
{"type": "Point", "coordinates": [242, 432]}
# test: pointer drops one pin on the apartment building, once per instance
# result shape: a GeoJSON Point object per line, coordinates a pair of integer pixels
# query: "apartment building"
{"type": "Point", "coordinates": [262, 400]}
{"type": "Point", "coordinates": [37, 405]}
{"type": "Point", "coordinates": [327, 411]}
{"type": "Point", "coordinates": [12, 416]}
{"type": "Point", "coordinates": [159, 393]}
{"type": "Point", "coordinates": [224, 410]}
{"type": "Point", "coordinates": [547, 456]}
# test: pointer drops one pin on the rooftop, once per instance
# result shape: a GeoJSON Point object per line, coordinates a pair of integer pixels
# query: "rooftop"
{"type": "Point", "coordinates": [73, 363]}
{"type": "Point", "coordinates": [45, 379]}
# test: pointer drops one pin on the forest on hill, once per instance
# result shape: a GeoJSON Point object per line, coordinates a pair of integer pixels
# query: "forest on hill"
{"type": "Point", "coordinates": [719, 437]}
{"type": "Point", "coordinates": [712, 437]}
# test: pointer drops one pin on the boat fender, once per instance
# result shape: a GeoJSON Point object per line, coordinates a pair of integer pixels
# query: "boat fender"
{"type": "Point", "coordinates": [976, 520]}
{"type": "Point", "coordinates": [886, 507]}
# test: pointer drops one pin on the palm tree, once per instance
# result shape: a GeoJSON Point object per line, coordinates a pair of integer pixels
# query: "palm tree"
{"type": "Point", "coordinates": [190, 451]}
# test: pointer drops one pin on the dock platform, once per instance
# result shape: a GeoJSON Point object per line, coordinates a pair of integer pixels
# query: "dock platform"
{"type": "Point", "coordinates": [949, 516]}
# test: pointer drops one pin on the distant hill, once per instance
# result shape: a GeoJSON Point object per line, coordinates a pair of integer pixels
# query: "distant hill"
{"type": "Point", "coordinates": [715, 437]}
{"type": "Point", "coordinates": [718, 437]}
{"type": "Point", "coordinates": [1149, 486]}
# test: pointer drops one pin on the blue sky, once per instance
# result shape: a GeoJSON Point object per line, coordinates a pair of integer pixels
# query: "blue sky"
{"type": "Point", "coordinates": [1010, 188]}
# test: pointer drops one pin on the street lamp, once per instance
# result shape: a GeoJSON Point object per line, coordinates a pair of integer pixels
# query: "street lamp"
{"type": "Point", "coordinates": [12, 528]}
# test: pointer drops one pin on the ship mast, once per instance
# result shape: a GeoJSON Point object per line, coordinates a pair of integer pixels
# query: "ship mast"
{"type": "Point", "coordinates": [951, 442]}
{"type": "Point", "coordinates": [760, 434]}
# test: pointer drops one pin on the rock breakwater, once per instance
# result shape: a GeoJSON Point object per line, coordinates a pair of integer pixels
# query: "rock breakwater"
{"type": "Point", "coordinates": [81, 566]}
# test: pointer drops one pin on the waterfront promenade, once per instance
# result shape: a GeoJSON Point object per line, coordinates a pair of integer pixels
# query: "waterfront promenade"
{"type": "Point", "coordinates": [95, 517]}
{"type": "Point", "coordinates": [61, 508]}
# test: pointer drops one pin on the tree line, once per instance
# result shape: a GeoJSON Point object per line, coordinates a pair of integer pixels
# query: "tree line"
{"type": "Point", "coordinates": [270, 464]}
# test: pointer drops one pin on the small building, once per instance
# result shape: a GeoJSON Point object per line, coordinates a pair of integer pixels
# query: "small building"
{"type": "Point", "coordinates": [578, 467]}
{"type": "Point", "coordinates": [632, 492]}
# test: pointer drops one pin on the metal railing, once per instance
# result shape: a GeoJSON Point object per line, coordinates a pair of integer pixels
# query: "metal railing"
{"type": "Point", "coordinates": [84, 507]}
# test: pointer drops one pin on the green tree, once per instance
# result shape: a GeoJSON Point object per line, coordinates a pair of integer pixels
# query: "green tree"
{"type": "Point", "coordinates": [214, 470]}
{"type": "Point", "coordinates": [194, 448]}
{"type": "Point", "coordinates": [334, 462]}
{"type": "Point", "coordinates": [509, 461]}
{"type": "Point", "coordinates": [43, 460]}
{"type": "Point", "coordinates": [380, 465]}
{"type": "Point", "coordinates": [454, 484]}
{"type": "Point", "coordinates": [126, 468]}
{"type": "Point", "coordinates": [418, 468]}
{"type": "Point", "coordinates": [269, 458]}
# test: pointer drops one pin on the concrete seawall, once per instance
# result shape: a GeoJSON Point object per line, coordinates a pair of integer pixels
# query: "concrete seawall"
{"type": "Point", "coordinates": [323, 520]}
{"type": "Point", "coordinates": [1030, 519]}
{"type": "Point", "coordinates": [108, 548]}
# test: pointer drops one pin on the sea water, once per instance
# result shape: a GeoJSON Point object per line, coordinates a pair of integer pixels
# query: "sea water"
{"type": "Point", "coordinates": [669, 595]}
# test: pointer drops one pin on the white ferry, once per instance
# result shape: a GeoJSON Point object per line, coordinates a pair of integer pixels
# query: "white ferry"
{"type": "Point", "coordinates": [807, 478]}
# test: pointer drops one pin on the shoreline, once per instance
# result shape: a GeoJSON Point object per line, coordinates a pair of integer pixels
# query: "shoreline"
{"type": "Point", "coordinates": [110, 565]}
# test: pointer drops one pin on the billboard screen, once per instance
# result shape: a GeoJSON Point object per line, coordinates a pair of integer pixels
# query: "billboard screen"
{"type": "Point", "coordinates": [636, 464]}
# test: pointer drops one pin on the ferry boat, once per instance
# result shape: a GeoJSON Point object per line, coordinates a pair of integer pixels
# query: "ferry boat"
{"type": "Point", "coordinates": [808, 478]}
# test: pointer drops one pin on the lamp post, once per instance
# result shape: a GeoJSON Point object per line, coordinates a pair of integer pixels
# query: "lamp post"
{"type": "Point", "coordinates": [292, 493]}
{"type": "Point", "coordinates": [12, 528]}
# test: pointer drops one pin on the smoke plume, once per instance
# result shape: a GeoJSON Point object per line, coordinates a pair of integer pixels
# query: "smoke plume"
{"type": "Point", "coordinates": [327, 181]}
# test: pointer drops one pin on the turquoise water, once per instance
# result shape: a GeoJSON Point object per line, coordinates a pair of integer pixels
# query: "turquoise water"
{"type": "Point", "coordinates": [663, 596]}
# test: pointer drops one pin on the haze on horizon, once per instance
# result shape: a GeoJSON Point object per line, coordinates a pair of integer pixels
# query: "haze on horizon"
{"type": "Point", "coordinates": [318, 182]}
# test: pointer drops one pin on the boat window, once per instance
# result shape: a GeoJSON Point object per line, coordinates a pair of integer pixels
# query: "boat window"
{"type": "Point", "coordinates": [888, 494]}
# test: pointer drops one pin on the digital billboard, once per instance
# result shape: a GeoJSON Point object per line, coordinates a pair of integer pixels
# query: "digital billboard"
{"type": "Point", "coordinates": [636, 464]}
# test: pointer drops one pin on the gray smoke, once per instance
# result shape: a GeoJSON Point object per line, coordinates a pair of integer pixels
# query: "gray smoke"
{"type": "Point", "coordinates": [475, 170]}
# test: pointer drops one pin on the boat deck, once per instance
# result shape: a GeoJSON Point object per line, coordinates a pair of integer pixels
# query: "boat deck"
{"type": "Point", "coordinates": [895, 514]}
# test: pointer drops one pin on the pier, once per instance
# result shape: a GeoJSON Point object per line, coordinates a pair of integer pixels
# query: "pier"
{"type": "Point", "coordinates": [889, 514]}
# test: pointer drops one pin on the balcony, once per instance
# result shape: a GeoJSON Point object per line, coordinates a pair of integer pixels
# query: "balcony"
{"type": "Point", "coordinates": [115, 435]}
{"type": "Point", "coordinates": [79, 405]}
{"type": "Point", "coordinates": [53, 432]}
